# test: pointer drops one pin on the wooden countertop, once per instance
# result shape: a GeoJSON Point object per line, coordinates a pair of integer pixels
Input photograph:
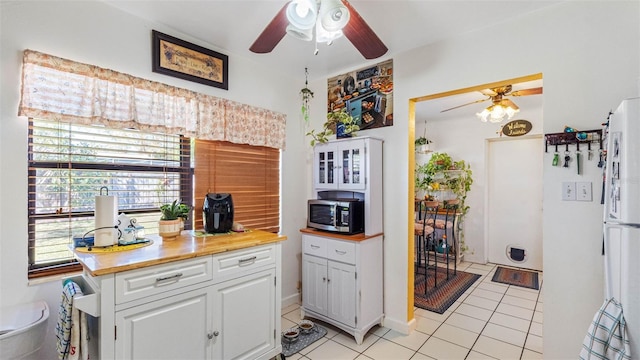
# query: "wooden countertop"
{"type": "Point", "coordinates": [355, 237]}
{"type": "Point", "coordinates": [185, 246]}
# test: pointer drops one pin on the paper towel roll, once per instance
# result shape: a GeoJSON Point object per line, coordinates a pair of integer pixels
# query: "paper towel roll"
{"type": "Point", "coordinates": [106, 214]}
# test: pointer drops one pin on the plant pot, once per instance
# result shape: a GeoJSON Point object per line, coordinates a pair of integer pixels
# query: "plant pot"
{"type": "Point", "coordinates": [340, 131]}
{"type": "Point", "coordinates": [423, 149]}
{"type": "Point", "coordinates": [169, 229]}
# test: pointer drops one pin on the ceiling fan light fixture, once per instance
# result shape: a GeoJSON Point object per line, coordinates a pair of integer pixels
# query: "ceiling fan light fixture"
{"type": "Point", "coordinates": [324, 36]}
{"type": "Point", "coordinates": [302, 14]}
{"type": "Point", "coordinates": [334, 15]}
{"type": "Point", "coordinates": [300, 34]}
{"type": "Point", "coordinates": [497, 113]}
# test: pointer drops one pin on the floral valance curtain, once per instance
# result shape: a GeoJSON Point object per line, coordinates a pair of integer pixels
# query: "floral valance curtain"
{"type": "Point", "coordinates": [56, 88]}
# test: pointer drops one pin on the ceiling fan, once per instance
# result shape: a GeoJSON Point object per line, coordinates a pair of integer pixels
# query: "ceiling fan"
{"type": "Point", "coordinates": [496, 95]}
{"type": "Point", "coordinates": [299, 17]}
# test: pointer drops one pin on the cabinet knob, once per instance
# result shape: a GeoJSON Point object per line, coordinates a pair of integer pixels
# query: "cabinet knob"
{"type": "Point", "coordinates": [324, 279]}
{"type": "Point", "coordinates": [211, 335]}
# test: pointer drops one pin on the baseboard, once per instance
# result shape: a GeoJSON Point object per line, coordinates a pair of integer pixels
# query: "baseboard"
{"type": "Point", "coordinates": [474, 259]}
{"type": "Point", "coordinates": [402, 327]}
{"type": "Point", "coordinates": [290, 300]}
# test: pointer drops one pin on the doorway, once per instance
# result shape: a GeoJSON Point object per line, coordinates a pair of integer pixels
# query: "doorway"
{"type": "Point", "coordinates": [414, 113]}
{"type": "Point", "coordinates": [514, 202]}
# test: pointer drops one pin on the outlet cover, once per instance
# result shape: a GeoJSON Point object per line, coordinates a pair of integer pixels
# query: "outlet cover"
{"type": "Point", "coordinates": [568, 191]}
{"type": "Point", "coordinates": [583, 191]}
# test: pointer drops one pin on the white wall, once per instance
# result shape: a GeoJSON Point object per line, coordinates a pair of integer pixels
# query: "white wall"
{"type": "Point", "coordinates": [95, 33]}
{"type": "Point", "coordinates": [588, 53]}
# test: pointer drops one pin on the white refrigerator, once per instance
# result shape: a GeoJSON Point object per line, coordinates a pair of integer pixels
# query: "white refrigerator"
{"type": "Point", "coordinates": [622, 216]}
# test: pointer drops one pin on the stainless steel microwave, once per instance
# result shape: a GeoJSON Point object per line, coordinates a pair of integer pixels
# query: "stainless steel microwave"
{"type": "Point", "coordinates": [340, 215]}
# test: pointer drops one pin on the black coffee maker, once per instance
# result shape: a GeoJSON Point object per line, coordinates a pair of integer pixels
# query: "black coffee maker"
{"type": "Point", "coordinates": [217, 213]}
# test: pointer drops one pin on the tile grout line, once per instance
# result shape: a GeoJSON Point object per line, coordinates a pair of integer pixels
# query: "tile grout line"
{"type": "Point", "coordinates": [485, 324]}
{"type": "Point", "coordinates": [530, 323]}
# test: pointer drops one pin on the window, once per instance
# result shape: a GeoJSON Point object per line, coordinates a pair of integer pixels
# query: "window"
{"type": "Point", "coordinates": [251, 174]}
{"type": "Point", "coordinates": [68, 164]}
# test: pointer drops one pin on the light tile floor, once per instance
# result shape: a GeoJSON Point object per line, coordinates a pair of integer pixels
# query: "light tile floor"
{"type": "Point", "coordinates": [489, 321]}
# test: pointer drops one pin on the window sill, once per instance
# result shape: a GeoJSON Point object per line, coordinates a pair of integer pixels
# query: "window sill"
{"type": "Point", "coordinates": [52, 278]}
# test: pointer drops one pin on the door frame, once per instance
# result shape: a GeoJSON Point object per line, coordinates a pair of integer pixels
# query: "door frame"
{"type": "Point", "coordinates": [411, 136]}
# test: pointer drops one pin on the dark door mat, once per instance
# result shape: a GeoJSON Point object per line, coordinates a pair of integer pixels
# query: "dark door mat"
{"type": "Point", "coordinates": [303, 340]}
{"type": "Point", "coordinates": [517, 277]}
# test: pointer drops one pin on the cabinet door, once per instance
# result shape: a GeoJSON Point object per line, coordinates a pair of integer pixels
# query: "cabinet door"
{"type": "Point", "coordinates": [351, 170]}
{"type": "Point", "coordinates": [342, 292]}
{"type": "Point", "coordinates": [314, 284]}
{"type": "Point", "coordinates": [325, 163]}
{"type": "Point", "coordinates": [244, 318]}
{"type": "Point", "coordinates": [171, 328]}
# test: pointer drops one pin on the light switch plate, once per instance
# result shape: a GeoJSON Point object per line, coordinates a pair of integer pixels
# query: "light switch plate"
{"type": "Point", "coordinates": [583, 191]}
{"type": "Point", "coordinates": [568, 191]}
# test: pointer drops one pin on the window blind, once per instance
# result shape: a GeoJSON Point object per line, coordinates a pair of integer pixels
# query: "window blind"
{"type": "Point", "coordinates": [68, 164]}
{"type": "Point", "coordinates": [251, 174]}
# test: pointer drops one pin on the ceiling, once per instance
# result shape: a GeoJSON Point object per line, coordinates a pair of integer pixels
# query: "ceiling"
{"type": "Point", "coordinates": [231, 26]}
{"type": "Point", "coordinates": [431, 110]}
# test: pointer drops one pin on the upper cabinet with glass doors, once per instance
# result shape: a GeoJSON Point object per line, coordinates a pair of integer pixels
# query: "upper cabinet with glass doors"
{"type": "Point", "coordinates": [351, 168]}
{"type": "Point", "coordinates": [340, 165]}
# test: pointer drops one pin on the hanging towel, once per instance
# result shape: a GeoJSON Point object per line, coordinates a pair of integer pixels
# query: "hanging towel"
{"type": "Point", "coordinates": [71, 325]}
{"type": "Point", "coordinates": [607, 336]}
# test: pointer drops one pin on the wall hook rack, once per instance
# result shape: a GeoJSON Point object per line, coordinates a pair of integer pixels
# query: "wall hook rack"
{"type": "Point", "coordinates": [569, 138]}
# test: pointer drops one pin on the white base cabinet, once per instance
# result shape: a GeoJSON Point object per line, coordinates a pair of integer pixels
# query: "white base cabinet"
{"type": "Point", "coordinates": [342, 282]}
{"type": "Point", "coordinates": [222, 306]}
{"type": "Point", "coordinates": [153, 330]}
{"type": "Point", "coordinates": [244, 321]}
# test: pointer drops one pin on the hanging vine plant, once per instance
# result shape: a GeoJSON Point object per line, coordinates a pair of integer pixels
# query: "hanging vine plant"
{"type": "Point", "coordinates": [307, 95]}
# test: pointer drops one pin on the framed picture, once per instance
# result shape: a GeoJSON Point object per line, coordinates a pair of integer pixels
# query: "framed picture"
{"type": "Point", "coordinates": [181, 59]}
{"type": "Point", "coordinates": [366, 94]}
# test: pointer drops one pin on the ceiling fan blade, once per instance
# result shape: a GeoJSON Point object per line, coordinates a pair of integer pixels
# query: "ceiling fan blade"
{"type": "Point", "coordinates": [524, 92]}
{"type": "Point", "coordinates": [272, 33]}
{"type": "Point", "coordinates": [488, 92]}
{"type": "Point", "coordinates": [507, 102]}
{"type": "Point", "coordinates": [471, 103]}
{"type": "Point", "coordinates": [362, 36]}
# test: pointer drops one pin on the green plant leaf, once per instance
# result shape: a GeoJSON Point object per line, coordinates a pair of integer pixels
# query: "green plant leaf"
{"type": "Point", "coordinates": [174, 210]}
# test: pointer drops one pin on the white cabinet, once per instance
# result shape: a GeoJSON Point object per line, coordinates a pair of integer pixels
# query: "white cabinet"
{"type": "Point", "coordinates": [341, 292]}
{"type": "Point", "coordinates": [158, 280]}
{"type": "Point", "coordinates": [244, 318]}
{"type": "Point", "coordinates": [314, 284]}
{"type": "Point", "coordinates": [342, 282]}
{"type": "Point", "coordinates": [351, 167]}
{"type": "Point", "coordinates": [222, 306]}
{"type": "Point", "coordinates": [340, 165]}
{"type": "Point", "coordinates": [172, 328]}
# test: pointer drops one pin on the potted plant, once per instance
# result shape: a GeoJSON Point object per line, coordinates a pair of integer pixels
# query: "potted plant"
{"type": "Point", "coordinates": [440, 176]}
{"type": "Point", "coordinates": [172, 219]}
{"type": "Point", "coordinates": [422, 145]}
{"type": "Point", "coordinates": [306, 95]}
{"type": "Point", "coordinates": [339, 122]}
